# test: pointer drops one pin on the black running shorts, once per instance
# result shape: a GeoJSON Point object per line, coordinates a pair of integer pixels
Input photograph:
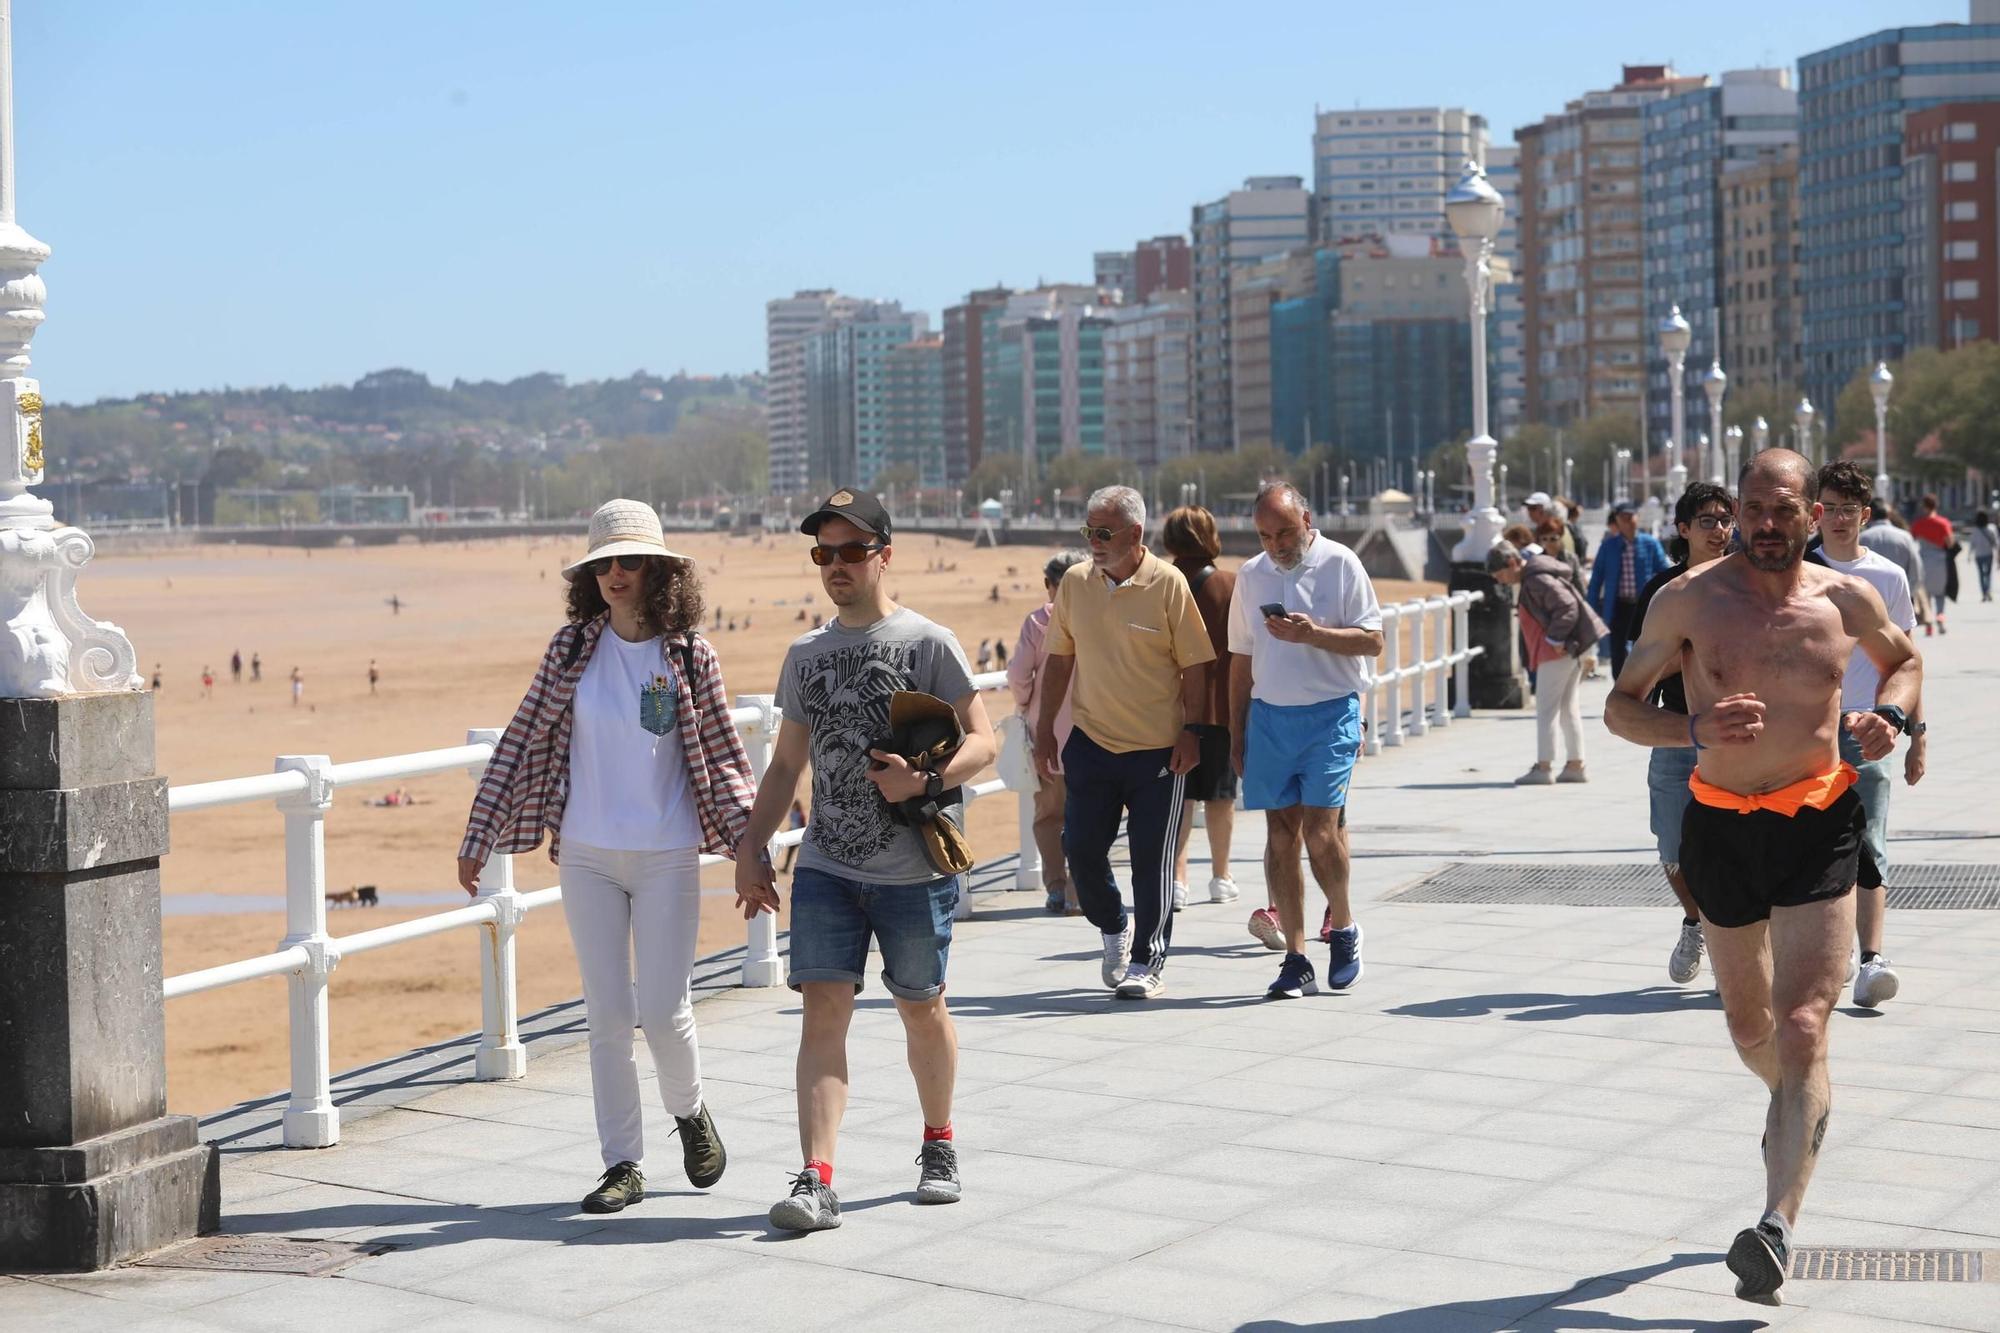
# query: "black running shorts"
{"type": "Point", "coordinates": [1213, 778]}
{"type": "Point", "coordinates": [1739, 867]}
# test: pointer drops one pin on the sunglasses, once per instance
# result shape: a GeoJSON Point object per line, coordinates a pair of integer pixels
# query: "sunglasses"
{"type": "Point", "coordinates": [601, 566]}
{"type": "Point", "coordinates": [850, 553]}
{"type": "Point", "coordinates": [1097, 534]}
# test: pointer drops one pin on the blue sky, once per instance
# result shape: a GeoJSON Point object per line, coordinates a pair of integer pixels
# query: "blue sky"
{"type": "Point", "coordinates": [292, 192]}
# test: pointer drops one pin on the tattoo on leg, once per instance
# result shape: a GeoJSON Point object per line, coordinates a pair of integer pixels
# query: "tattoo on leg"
{"type": "Point", "coordinates": [1819, 1133]}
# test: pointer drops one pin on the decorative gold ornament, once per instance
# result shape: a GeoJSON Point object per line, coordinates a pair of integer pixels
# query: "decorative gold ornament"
{"type": "Point", "coordinates": [31, 408]}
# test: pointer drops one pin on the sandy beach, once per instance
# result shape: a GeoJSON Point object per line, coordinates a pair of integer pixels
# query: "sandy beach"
{"type": "Point", "coordinates": [455, 651]}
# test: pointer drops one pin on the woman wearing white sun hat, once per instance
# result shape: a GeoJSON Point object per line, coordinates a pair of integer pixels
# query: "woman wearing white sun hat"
{"type": "Point", "coordinates": [623, 750]}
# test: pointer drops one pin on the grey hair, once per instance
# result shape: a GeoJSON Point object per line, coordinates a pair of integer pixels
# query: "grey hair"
{"type": "Point", "coordinates": [1060, 564]}
{"type": "Point", "coordinates": [1272, 492]}
{"type": "Point", "coordinates": [1131, 505]}
{"type": "Point", "coordinates": [1503, 554]}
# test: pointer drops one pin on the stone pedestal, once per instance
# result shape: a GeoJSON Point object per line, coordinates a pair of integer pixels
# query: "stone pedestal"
{"type": "Point", "coordinates": [1491, 624]}
{"type": "Point", "coordinates": [93, 1171]}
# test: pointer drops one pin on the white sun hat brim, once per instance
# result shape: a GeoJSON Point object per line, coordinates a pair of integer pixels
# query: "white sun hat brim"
{"type": "Point", "coordinates": [623, 527]}
{"type": "Point", "coordinates": [627, 547]}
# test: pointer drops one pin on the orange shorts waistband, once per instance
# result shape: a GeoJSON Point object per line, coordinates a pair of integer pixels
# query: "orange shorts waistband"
{"type": "Point", "coordinates": [1814, 793]}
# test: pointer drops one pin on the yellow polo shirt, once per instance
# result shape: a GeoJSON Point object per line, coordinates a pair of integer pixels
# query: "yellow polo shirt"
{"type": "Point", "coordinates": [1131, 642]}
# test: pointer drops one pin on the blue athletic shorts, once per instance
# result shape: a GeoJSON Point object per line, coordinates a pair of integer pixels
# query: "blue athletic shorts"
{"type": "Point", "coordinates": [1302, 754]}
{"type": "Point", "coordinates": [833, 918]}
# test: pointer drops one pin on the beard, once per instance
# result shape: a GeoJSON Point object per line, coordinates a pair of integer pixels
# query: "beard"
{"type": "Point", "coordinates": [1770, 562]}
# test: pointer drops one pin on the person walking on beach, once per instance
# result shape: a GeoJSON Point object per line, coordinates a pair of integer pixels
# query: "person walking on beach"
{"type": "Point", "coordinates": [622, 751]}
{"type": "Point", "coordinates": [1305, 630]}
{"type": "Point", "coordinates": [1626, 561]}
{"type": "Point", "coordinates": [374, 675]}
{"type": "Point", "coordinates": [1772, 842]}
{"type": "Point", "coordinates": [1025, 675]}
{"type": "Point", "coordinates": [256, 668]}
{"type": "Point", "coordinates": [1189, 538]}
{"type": "Point", "coordinates": [1560, 630]}
{"type": "Point", "coordinates": [866, 869]}
{"type": "Point", "coordinates": [207, 683]}
{"type": "Point", "coordinates": [1704, 517]}
{"type": "Point", "coordinates": [236, 668]}
{"type": "Point", "coordinates": [1127, 647]}
{"type": "Point", "coordinates": [298, 687]}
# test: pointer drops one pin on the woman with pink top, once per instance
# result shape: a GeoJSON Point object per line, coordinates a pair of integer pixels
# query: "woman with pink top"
{"type": "Point", "coordinates": [1024, 678]}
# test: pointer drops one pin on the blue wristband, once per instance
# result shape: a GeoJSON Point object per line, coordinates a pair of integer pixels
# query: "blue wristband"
{"type": "Point", "coordinates": [1692, 719]}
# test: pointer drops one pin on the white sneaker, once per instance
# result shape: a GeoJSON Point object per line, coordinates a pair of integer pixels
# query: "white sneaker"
{"type": "Point", "coordinates": [1853, 961]}
{"type": "Point", "coordinates": [1685, 963]}
{"type": "Point", "coordinates": [1180, 895]}
{"type": "Point", "coordinates": [1536, 777]}
{"type": "Point", "coordinates": [1876, 982]}
{"type": "Point", "coordinates": [1142, 982]}
{"type": "Point", "coordinates": [1222, 889]}
{"type": "Point", "coordinates": [1117, 954]}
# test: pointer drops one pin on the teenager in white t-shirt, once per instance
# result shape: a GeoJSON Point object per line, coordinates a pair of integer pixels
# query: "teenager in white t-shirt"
{"type": "Point", "coordinates": [1846, 492]}
{"type": "Point", "coordinates": [624, 753]}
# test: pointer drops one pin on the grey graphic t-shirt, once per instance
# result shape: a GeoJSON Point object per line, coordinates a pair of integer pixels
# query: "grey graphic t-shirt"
{"type": "Point", "coordinates": [837, 682]}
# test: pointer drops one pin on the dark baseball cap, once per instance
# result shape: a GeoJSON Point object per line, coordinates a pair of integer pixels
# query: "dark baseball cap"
{"type": "Point", "coordinates": [860, 508]}
{"type": "Point", "coordinates": [1624, 507]}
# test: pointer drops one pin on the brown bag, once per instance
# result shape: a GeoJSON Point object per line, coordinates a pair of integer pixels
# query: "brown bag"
{"type": "Point", "coordinates": [925, 730]}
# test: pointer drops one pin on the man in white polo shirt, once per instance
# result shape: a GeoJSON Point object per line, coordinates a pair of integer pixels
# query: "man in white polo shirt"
{"type": "Point", "coordinates": [1305, 629]}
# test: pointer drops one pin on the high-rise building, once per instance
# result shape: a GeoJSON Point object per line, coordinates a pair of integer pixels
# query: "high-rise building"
{"type": "Point", "coordinates": [788, 322]}
{"type": "Point", "coordinates": [1584, 331]}
{"type": "Point", "coordinates": [846, 398]}
{"type": "Point", "coordinates": [1853, 100]}
{"type": "Point", "coordinates": [1254, 291]}
{"type": "Point", "coordinates": [1162, 264]}
{"type": "Point", "coordinates": [1043, 377]}
{"type": "Point", "coordinates": [1951, 227]}
{"type": "Point", "coordinates": [1269, 215]}
{"type": "Point", "coordinates": [913, 413]}
{"type": "Point", "coordinates": [1760, 277]}
{"type": "Point", "coordinates": [1400, 351]}
{"type": "Point", "coordinates": [1116, 274]}
{"type": "Point", "coordinates": [1379, 172]}
{"type": "Point", "coordinates": [964, 391]}
{"type": "Point", "coordinates": [1508, 379]}
{"type": "Point", "coordinates": [1695, 141]}
{"type": "Point", "coordinates": [1148, 358]}
{"type": "Point", "coordinates": [1301, 357]}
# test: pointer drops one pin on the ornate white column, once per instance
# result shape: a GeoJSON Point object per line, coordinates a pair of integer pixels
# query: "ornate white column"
{"type": "Point", "coordinates": [48, 647]}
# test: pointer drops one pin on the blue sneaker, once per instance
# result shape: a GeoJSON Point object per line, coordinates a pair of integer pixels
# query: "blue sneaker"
{"type": "Point", "coordinates": [1295, 978]}
{"type": "Point", "coordinates": [1343, 964]}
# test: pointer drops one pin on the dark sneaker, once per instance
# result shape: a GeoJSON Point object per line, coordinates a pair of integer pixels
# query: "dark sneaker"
{"type": "Point", "coordinates": [1758, 1256]}
{"type": "Point", "coordinates": [701, 1148]}
{"type": "Point", "coordinates": [1295, 978]}
{"type": "Point", "coordinates": [623, 1184]}
{"type": "Point", "coordinates": [1343, 962]}
{"type": "Point", "coordinates": [811, 1206]}
{"type": "Point", "coordinates": [939, 1181]}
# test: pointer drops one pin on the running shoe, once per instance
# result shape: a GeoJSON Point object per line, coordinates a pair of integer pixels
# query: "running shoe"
{"type": "Point", "coordinates": [1758, 1256]}
{"type": "Point", "coordinates": [1536, 777]}
{"type": "Point", "coordinates": [1853, 961]}
{"type": "Point", "coordinates": [1142, 982]}
{"type": "Point", "coordinates": [1875, 983]}
{"type": "Point", "coordinates": [1264, 928]}
{"type": "Point", "coordinates": [1180, 895]}
{"type": "Point", "coordinates": [811, 1206]}
{"type": "Point", "coordinates": [939, 1181]}
{"type": "Point", "coordinates": [1572, 773]}
{"type": "Point", "coordinates": [702, 1152]}
{"type": "Point", "coordinates": [1222, 889]}
{"type": "Point", "coordinates": [1053, 904]}
{"type": "Point", "coordinates": [1295, 978]}
{"type": "Point", "coordinates": [1117, 953]}
{"type": "Point", "coordinates": [1684, 965]}
{"type": "Point", "coordinates": [1343, 964]}
{"type": "Point", "coordinates": [622, 1185]}
{"type": "Point", "coordinates": [1326, 927]}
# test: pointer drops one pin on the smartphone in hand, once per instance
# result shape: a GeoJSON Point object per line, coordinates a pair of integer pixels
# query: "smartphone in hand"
{"type": "Point", "coordinates": [1273, 610]}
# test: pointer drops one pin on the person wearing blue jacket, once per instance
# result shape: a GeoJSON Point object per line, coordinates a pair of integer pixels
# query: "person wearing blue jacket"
{"type": "Point", "coordinates": [1626, 562]}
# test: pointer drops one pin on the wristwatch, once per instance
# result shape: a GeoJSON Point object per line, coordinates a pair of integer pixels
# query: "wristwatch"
{"type": "Point", "coordinates": [1916, 729]}
{"type": "Point", "coordinates": [1894, 716]}
{"type": "Point", "coordinates": [933, 786]}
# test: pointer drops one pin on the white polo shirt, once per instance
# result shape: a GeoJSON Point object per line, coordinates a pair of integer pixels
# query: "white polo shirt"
{"type": "Point", "coordinates": [1330, 586]}
{"type": "Point", "coordinates": [1857, 688]}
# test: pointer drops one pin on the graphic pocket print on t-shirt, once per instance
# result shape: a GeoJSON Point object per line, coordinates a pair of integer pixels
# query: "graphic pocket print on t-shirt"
{"type": "Point", "coordinates": [659, 705]}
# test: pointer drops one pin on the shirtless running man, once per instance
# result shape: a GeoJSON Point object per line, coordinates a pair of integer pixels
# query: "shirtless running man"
{"type": "Point", "coordinates": [1771, 842]}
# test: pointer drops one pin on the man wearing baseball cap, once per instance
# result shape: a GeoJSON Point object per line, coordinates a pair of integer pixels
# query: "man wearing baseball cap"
{"type": "Point", "coordinates": [1627, 559]}
{"type": "Point", "coordinates": [861, 873]}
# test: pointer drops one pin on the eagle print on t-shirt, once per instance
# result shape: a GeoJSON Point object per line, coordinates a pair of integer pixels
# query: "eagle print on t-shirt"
{"type": "Point", "coordinates": [846, 693]}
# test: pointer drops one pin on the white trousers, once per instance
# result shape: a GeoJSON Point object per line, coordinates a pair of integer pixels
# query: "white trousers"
{"type": "Point", "coordinates": [617, 903]}
{"type": "Point", "coordinates": [1557, 698]}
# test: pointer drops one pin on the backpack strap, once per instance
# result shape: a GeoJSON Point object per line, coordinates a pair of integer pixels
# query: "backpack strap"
{"type": "Point", "coordinates": [574, 649]}
{"type": "Point", "coordinates": [1200, 577]}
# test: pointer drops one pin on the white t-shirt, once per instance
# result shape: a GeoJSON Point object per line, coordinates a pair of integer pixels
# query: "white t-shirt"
{"type": "Point", "coordinates": [1883, 574]}
{"type": "Point", "coordinates": [1330, 586]}
{"type": "Point", "coordinates": [628, 789]}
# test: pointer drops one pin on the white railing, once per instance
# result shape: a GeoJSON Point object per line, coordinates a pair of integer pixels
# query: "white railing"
{"type": "Point", "coordinates": [303, 787]}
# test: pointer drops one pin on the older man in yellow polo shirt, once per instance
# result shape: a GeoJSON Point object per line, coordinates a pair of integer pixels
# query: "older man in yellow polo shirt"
{"type": "Point", "coordinates": [1126, 641]}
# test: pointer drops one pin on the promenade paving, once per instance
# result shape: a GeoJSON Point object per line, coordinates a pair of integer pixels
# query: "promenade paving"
{"type": "Point", "coordinates": [1512, 1122]}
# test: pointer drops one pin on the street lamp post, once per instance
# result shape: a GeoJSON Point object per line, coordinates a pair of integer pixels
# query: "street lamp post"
{"type": "Point", "coordinates": [1569, 469]}
{"type": "Point", "coordinates": [1475, 211]}
{"type": "Point", "coordinates": [1674, 338]}
{"type": "Point", "coordinates": [1732, 446]}
{"type": "Point", "coordinates": [1802, 419]}
{"type": "Point", "coordinates": [1760, 432]}
{"type": "Point", "coordinates": [1879, 385]}
{"type": "Point", "coordinates": [1714, 384]}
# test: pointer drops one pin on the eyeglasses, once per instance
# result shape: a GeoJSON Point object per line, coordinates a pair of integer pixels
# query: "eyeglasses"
{"type": "Point", "coordinates": [1847, 513]}
{"type": "Point", "coordinates": [850, 553]}
{"type": "Point", "coordinates": [1710, 522]}
{"type": "Point", "coordinates": [1091, 534]}
{"type": "Point", "coordinates": [601, 566]}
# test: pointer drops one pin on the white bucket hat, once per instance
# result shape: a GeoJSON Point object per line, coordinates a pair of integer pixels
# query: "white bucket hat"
{"type": "Point", "coordinates": [623, 527]}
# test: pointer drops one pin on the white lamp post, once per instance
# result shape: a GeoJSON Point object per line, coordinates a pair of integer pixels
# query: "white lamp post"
{"type": "Point", "coordinates": [1500, 500]}
{"type": "Point", "coordinates": [1475, 210]}
{"type": "Point", "coordinates": [1802, 418]}
{"type": "Point", "coordinates": [1569, 486]}
{"type": "Point", "coordinates": [1760, 431]}
{"type": "Point", "coordinates": [1714, 384]}
{"type": "Point", "coordinates": [1878, 386]}
{"type": "Point", "coordinates": [1732, 446]}
{"type": "Point", "coordinates": [1674, 338]}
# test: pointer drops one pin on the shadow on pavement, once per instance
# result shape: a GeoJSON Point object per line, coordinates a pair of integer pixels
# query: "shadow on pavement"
{"type": "Point", "coordinates": [1554, 1008]}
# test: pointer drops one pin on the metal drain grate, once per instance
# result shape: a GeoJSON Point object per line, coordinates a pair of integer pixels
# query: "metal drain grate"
{"type": "Point", "coordinates": [1936, 885]}
{"type": "Point", "coordinates": [267, 1254]}
{"type": "Point", "coordinates": [1836, 1263]}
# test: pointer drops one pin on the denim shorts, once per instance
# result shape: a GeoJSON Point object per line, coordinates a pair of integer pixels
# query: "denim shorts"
{"type": "Point", "coordinates": [833, 918]}
{"type": "Point", "coordinates": [1667, 774]}
{"type": "Point", "coordinates": [1873, 788]}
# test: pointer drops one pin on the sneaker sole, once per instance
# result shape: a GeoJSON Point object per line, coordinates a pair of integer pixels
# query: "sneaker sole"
{"type": "Point", "coordinates": [1269, 936]}
{"type": "Point", "coordinates": [1283, 993]}
{"type": "Point", "coordinates": [1758, 1276]}
{"type": "Point", "coordinates": [938, 1193]}
{"type": "Point", "coordinates": [1124, 994]}
{"type": "Point", "coordinates": [608, 1205]}
{"type": "Point", "coordinates": [1885, 990]}
{"type": "Point", "coordinates": [705, 1182]}
{"type": "Point", "coordinates": [797, 1219]}
{"type": "Point", "coordinates": [1687, 980]}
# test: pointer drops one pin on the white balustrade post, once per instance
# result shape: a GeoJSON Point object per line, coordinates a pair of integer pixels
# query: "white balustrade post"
{"type": "Point", "coordinates": [761, 964]}
{"type": "Point", "coordinates": [1419, 670]}
{"type": "Point", "coordinates": [500, 1054]}
{"type": "Point", "coordinates": [1461, 644]}
{"type": "Point", "coordinates": [1438, 610]}
{"type": "Point", "coordinates": [311, 1119]}
{"type": "Point", "coordinates": [1371, 708]}
{"type": "Point", "coordinates": [1392, 671]}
